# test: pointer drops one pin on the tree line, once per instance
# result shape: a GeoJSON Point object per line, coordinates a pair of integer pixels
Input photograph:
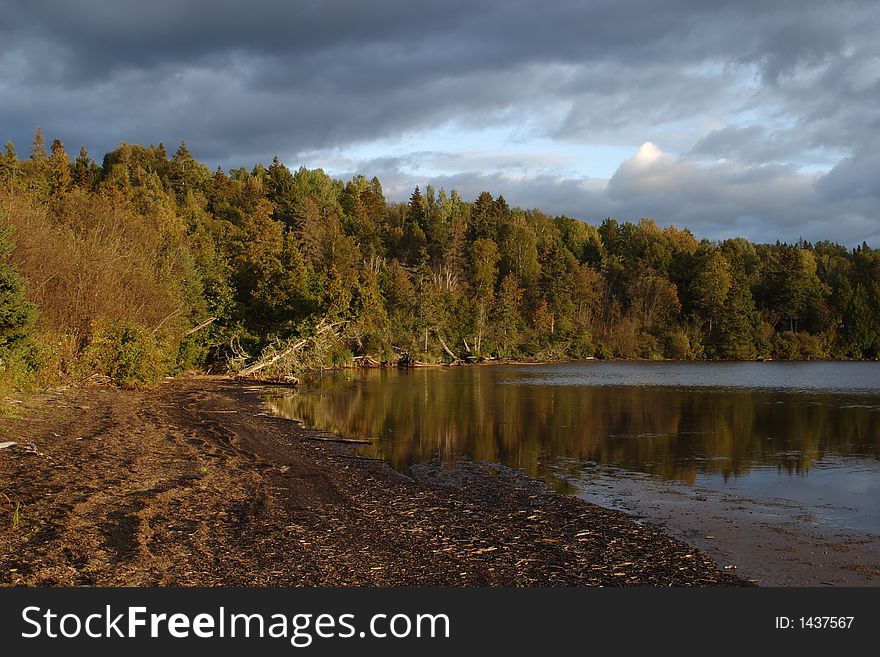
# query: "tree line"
{"type": "Point", "coordinates": [149, 263]}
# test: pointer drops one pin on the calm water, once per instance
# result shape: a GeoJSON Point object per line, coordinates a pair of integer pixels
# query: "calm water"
{"type": "Point", "coordinates": [806, 432]}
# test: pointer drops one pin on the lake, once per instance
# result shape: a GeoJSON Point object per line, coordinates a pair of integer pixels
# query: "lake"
{"type": "Point", "coordinates": [804, 432]}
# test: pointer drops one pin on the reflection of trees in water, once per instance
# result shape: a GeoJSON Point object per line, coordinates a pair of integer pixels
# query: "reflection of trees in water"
{"type": "Point", "coordinates": [675, 433]}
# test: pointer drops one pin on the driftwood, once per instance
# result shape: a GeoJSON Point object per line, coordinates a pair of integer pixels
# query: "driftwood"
{"type": "Point", "coordinates": [166, 318]}
{"type": "Point", "coordinates": [207, 322]}
{"type": "Point", "coordinates": [235, 348]}
{"type": "Point", "coordinates": [367, 361]}
{"type": "Point", "coordinates": [356, 441]}
{"type": "Point", "coordinates": [446, 349]}
{"type": "Point", "coordinates": [263, 363]}
{"type": "Point", "coordinates": [359, 457]}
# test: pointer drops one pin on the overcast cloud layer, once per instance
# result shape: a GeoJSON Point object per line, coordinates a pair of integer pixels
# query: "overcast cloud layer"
{"type": "Point", "coordinates": [749, 118]}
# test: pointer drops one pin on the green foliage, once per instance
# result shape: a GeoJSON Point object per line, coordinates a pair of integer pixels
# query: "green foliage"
{"type": "Point", "coordinates": [678, 346]}
{"type": "Point", "coordinates": [191, 356]}
{"type": "Point", "coordinates": [131, 356]}
{"type": "Point", "coordinates": [16, 313]}
{"type": "Point", "coordinates": [150, 264]}
{"type": "Point", "coordinates": [507, 317]}
{"type": "Point", "coordinates": [649, 347]}
{"type": "Point", "coordinates": [17, 317]}
{"type": "Point", "coordinates": [798, 346]}
{"type": "Point", "coordinates": [484, 263]}
{"type": "Point", "coordinates": [737, 326]}
{"type": "Point", "coordinates": [581, 347]}
{"type": "Point", "coordinates": [711, 283]}
{"type": "Point", "coordinates": [9, 166]}
{"type": "Point", "coordinates": [862, 327]}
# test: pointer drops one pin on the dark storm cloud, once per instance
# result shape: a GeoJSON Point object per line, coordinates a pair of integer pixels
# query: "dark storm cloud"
{"type": "Point", "coordinates": [854, 179]}
{"type": "Point", "coordinates": [311, 74]}
{"type": "Point", "coordinates": [750, 143]}
{"type": "Point", "coordinates": [759, 83]}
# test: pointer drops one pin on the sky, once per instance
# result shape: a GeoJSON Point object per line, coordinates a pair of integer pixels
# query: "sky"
{"type": "Point", "coordinates": [750, 118]}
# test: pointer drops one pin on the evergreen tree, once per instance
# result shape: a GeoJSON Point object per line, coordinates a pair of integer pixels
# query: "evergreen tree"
{"type": "Point", "coordinates": [185, 174]}
{"type": "Point", "coordinates": [280, 188]}
{"type": "Point", "coordinates": [84, 170]}
{"type": "Point", "coordinates": [37, 166]}
{"type": "Point", "coordinates": [861, 329]}
{"type": "Point", "coordinates": [507, 316]}
{"type": "Point", "coordinates": [8, 166]}
{"type": "Point", "coordinates": [38, 147]}
{"type": "Point", "coordinates": [484, 218]}
{"type": "Point", "coordinates": [16, 313]}
{"type": "Point", "coordinates": [59, 169]}
{"type": "Point", "coordinates": [413, 248]}
{"type": "Point", "coordinates": [738, 324]}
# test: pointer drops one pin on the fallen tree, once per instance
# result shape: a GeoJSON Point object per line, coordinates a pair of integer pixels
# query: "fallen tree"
{"type": "Point", "coordinates": [297, 355]}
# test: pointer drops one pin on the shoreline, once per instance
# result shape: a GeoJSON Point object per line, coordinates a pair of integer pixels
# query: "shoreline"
{"type": "Point", "coordinates": [593, 359]}
{"type": "Point", "coordinates": [767, 539]}
{"type": "Point", "coordinates": [488, 362]}
{"type": "Point", "coordinates": [771, 542]}
{"type": "Point", "coordinates": [193, 483]}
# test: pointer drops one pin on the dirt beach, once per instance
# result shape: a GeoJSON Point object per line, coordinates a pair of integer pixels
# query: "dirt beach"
{"type": "Point", "coordinates": [194, 483]}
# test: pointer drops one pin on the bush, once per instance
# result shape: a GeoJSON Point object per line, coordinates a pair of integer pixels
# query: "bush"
{"type": "Point", "coordinates": [16, 371]}
{"type": "Point", "coordinates": [190, 356]}
{"type": "Point", "coordinates": [678, 347]}
{"type": "Point", "coordinates": [649, 347]}
{"type": "Point", "coordinates": [798, 346]}
{"type": "Point", "coordinates": [128, 354]}
{"type": "Point", "coordinates": [17, 316]}
{"type": "Point", "coordinates": [581, 347]}
{"type": "Point", "coordinates": [341, 357]}
{"type": "Point", "coordinates": [113, 285]}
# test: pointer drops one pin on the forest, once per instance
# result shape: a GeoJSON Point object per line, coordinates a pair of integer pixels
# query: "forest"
{"type": "Point", "coordinates": [147, 264]}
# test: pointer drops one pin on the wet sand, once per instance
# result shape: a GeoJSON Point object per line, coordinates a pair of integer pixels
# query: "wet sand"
{"type": "Point", "coordinates": [769, 542]}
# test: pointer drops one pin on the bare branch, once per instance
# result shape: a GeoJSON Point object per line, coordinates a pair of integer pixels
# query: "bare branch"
{"type": "Point", "coordinates": [207, 322]}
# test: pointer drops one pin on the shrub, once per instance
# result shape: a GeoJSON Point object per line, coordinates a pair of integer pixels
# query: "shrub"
{"type": "Point", "coordinates": [798, 346]}
{"type": "Point", "coordinates": [128, 354]}
{"type": "Point", "coordinates": [678, 347]}
{"type": "Point", "coordinates": [16, 321]}
{"type": "Point", "coordinates": [581, 347]}
{"type": "Point", "coordinates": [648, 347]}
{"type": "Point", "coordinates": [191, 355]}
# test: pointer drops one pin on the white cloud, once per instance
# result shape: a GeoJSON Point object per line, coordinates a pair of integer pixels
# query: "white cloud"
{"type": "Point", "coordinates": [716, 200]}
